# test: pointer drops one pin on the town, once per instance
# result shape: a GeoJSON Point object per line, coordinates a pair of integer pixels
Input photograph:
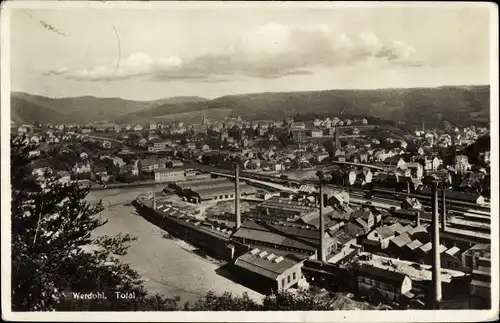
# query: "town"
{"type": "Point", "coordinates": [386, 213]}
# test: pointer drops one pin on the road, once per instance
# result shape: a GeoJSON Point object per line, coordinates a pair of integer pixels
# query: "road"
{"type": "Point", "coordinates": [168, 266]}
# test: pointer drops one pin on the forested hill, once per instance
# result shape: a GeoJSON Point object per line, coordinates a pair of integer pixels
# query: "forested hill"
{"type": "Point", "coordinates": [455, 105]}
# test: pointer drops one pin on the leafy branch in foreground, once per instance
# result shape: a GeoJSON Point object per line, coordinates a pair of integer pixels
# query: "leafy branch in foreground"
{"type": "Point", "coordinates": [54, 254]}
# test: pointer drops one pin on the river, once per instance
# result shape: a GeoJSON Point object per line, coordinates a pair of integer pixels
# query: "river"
{"type": "Point", "coordinates": [166, 266]}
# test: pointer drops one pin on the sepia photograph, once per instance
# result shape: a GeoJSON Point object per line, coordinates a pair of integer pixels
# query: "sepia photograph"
{"type": "Point", "coordinates": [249, 161]}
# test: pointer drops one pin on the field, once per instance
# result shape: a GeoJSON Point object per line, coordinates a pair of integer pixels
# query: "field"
{"type": "Point", "coordinates": [167, 266]}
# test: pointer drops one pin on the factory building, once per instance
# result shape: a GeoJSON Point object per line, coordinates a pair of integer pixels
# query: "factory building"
{"type": "Point", "coordinates": [385, 284]}
{"type": "Point", "coordinates": [283, 209]}
{"type": "Point", "coordinates": [210, 189]}
{"type": "Point", "coordinates": [268, 272]}
{"type": "Point", "coordinates": [163, 175]}
{"type": "Point", "coordinates": [283, 236]}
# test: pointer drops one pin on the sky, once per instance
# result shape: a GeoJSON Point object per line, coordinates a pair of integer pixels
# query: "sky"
{"type": "Point", "coordinates": [215, 50]}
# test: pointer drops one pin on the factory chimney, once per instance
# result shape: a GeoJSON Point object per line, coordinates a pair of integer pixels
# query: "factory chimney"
{"type": "Point", "coordinates": [436, 259]}
{"type": "Point", "coordinates": [443, 210]}
{"type": "Point", "coordinates": [237, 196]}
{"type": "Point", "coordinates": [322, 255]}
{"type": "Point", "coordinates": [418, 219]}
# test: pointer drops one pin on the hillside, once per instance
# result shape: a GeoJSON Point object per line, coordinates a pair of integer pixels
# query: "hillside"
{"type": "Point", "coordinates": [434, 106]}
{"type": "Point", "coordinates": [460, 105]}
{"type": "Point", "coordinates": [27, 108]}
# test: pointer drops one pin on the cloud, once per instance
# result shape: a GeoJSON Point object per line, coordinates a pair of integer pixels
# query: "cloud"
{"type": "Point", "coordinates": [59, 71]}
{"type": "Point", "coordinates": [271, 51]}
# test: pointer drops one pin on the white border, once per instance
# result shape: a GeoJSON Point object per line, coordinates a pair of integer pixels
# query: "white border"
{"type": "Point", "coordinates": [347, 316]}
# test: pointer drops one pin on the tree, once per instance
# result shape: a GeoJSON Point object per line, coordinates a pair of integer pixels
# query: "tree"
{"type": "Point", "coordinates": [54, 254]}
{"type": "Point", "coordinates": [301, 300]}
{"type": "Point", "coordinates": [225, 302]}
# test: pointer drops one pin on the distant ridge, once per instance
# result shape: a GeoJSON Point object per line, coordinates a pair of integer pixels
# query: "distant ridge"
{"type": "Point", "coordinates": [458, 105]}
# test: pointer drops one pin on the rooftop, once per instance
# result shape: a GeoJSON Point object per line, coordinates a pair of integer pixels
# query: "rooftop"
{"type": "Point", "coordinates": [413, 245]}
{"type": "Point", "coordinates": [416, 271]}
{"type": "Point", "coordinates": [453, 251]}
{"type": "Point", "coordinates": [401, 240]}
{"type": "Point", "coordinates": [389, 276]}
{"type": "Point", "coordinates": [428, 247]}
{"type": "Point", "coordinates": [385, 232]}
{"type": "Point", "coordinates": [266, 264]}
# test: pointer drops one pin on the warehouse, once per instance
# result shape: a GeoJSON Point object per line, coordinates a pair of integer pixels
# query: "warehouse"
{"type": "Point", "coordinates": [293, 238]}
{"type": "Point", "coordinates": [268, 272]}
{"type": "Point", "coordinates": [221, 193]}
{"type": "Point", "coordinates": [211, 189]}
{"type": "Point", "coordinates": [283, 209]}
{"type": "Point", "coordinates": [211, 238]}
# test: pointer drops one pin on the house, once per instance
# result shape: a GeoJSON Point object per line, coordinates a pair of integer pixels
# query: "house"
{"type": "Point", "coordinates": [410, 250]}
{"type": "Point", "coordinates": [153, 126]}
{"type": "Point", "coordinates": [84, 155]}
{"type": "Point", "coordinates": [380, 237]}
{"type": "Point", "coordinates": [378, 282]}
{"type": "Point", "coordinates": [366, 215]}
{"type": "Point", "coordinates": [431, 164]}
{"type": "Point", "coordinates": [316, 133]}
{"type": "Point", "coordinates": [416, 169]}
{"type": "Point", "coordinates": [150, 164]}
{"type": "Point", "coordinates": [174, 163]}
{"type": "Point", "coordinates": [100, 174]}
{"type": "Point", "coordinates": [425, 252]}
{"type": "Point", "coordinates": [160, 145]}
{"type": "Point", "coordinates": [452, 259]}
{"type": "Point", "coordinates": [41, 171]}
{"type": "Point", "coordinates": [64, 177]}
{"type": "Point", "coordinates": [163, 175]}
{"type": "Point", "coordinates": [299, 125]}
{"type": "Point", "coordinates": [367, 176]}
{"type": "Point", "coordinates": [205, 147]}
{"type": "Point", "coordinates": [81, 168]}
{"type": "Point", "coordinates": [269, 272]}
{"type": "Point", "coordinates": [118, 161]}
{"type": "Point", "coordinates": [35, 139]}
{"type": "Point", "coordinates": [470, 257]}
{"type": "Point", "coordinates": [397, 243]}
{"type": "Point", "coordinates": [142, 142]}
{"type": "Point", "coordinates": [462, 163]}
{"type": "Point", "coordinates": [86, 130]}
{"type": "Point", "coordinates": [138, 127]}
{"type": "Point", "coordinates": [253, 164]}
{"type": "Point", "coordinates": [23, 129]}
{"type": "Point", "coordinates": [321, 156]}
{"type": "Point", "coordinates": [34, 153]}
{"type": "Point", "coordinates": [352, 177]}
{"type": "Point", "coordinates": [106, 144]}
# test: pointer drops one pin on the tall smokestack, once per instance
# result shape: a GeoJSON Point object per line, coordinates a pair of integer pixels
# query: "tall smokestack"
{"type": "Point", "coordinates": [322, 248]}
{"type": "Point", "coordinates": [443, 210]}
{"type": "Point", "coordinates": [417, 222]}
{"type": "Point", "coordinates": [237, 196]}
{"type": "Point", "coordinates": [436, 259]}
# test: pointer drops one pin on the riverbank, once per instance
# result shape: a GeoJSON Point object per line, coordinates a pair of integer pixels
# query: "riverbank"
{"type": "Point", "coordinates": [100, 187]}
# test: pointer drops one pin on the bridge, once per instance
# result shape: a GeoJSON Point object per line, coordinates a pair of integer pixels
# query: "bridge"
{"type": "Point", "coordinates": [256, 182]}
{"type": "Point", "coordinates": [358, 165]}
